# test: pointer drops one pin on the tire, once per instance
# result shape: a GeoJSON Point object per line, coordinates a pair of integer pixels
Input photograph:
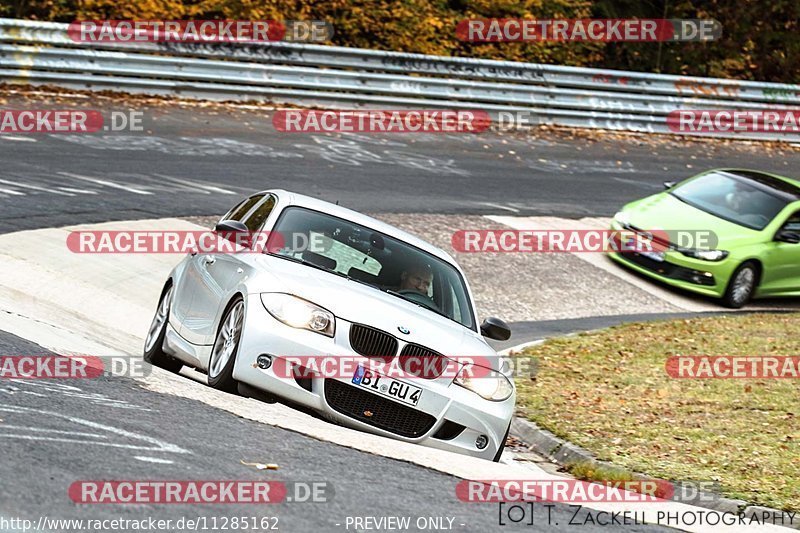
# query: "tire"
{"type": "Point", "coordinates": [226, 348]}
{"type": "Point", "coordinates": [154, 342]}
{"type": "Point", "coordinates": [741, 286]}
{"type": "Point", "coordinates": [499, 453]}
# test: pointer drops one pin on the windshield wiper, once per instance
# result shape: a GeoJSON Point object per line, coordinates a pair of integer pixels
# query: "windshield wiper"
{"type": "Point", "coordinates": [306, 262]}
{"type": "Point", "coordinates": [302, 261]}
{"type": "Point", "coordinates": [420, 304]}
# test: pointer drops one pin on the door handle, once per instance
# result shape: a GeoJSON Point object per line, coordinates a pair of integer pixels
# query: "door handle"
{"type": "Point", "coordinates": [209, 260]}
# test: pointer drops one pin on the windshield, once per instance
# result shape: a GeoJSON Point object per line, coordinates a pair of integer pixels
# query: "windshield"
{"type": "Point", "coordinates": [732, 197]}
{"type": "Point", "coordinates": [372, 258]}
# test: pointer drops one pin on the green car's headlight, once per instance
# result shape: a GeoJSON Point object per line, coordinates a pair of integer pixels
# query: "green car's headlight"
{"type": "Point", "coordinates": [706, 255]}
{"type": "Point", "coordinates": [484, 382]}
{"type": "Point", "coordinates": [299, 313]}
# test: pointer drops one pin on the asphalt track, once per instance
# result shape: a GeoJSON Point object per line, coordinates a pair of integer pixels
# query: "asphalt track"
{"type": "Point", "coordinates": [48, 444]}
{"type": "Point", "coordinates": [197, 160]}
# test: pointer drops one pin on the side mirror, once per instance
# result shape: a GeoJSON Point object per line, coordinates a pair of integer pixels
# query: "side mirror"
{"type": "Point", "coordinates": [788, 236]}
{"type": "Point", "coordinates": [496, 329]}
{"type": "Point", "coordinates": [669, 184]}
{"type": "Point", "coordinates": [229, 229]}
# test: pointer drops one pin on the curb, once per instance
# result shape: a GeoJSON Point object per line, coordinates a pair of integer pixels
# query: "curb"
{"type": "Point", "coordinates": [562, 453]}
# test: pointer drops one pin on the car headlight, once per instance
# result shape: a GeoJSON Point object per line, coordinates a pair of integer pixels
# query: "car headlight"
{"type": "Point", "coordinates": [299, 313]}
{"type": "Point", "coordinates": [706, 255]}
{"type": "Point", "coordinates": [622, 218]}
{"type": "Point", "coordinates": [484, 382]}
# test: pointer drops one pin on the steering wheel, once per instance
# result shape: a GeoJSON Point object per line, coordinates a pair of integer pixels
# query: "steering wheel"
{"type": "Point", "coordinates": [422, 299]}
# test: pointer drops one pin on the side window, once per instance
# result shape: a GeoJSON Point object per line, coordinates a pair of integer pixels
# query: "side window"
{"type": "Point", "coordinates": [256, 219]}
{"type": "Point", "coordinates": [793, 224]}
{"type": "Point", "coordinates": [238, 212]}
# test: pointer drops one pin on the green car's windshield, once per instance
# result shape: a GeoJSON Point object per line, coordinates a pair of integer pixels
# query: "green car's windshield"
{"type": "Point", "coordinates": [372, 258]}
{"type": "Point", "coordinates": [732, 197]}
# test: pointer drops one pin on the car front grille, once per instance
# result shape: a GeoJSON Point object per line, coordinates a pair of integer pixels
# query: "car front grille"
{"type": "Point", "coordinates": [371, 342]}
{"type": "Point", "coordinates": [670, 270]}
{"type": "Point", "coordinates": [657, 237]}
{"type": "Point", "coordinates": [422, 362]}
{"type": "Point", "coordinates": [376, 411]}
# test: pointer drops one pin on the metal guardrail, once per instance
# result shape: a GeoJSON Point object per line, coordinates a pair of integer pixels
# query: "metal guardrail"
{"type": "Point", "coordinates": [288, 73]}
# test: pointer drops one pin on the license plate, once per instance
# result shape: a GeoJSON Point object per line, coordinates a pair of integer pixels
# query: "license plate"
{"type": "Point", "coordinates": [386, 386]}
{"type": "Point", "coordinates": [655, 256]}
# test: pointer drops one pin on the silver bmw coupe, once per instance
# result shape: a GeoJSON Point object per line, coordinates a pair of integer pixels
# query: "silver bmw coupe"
{"type": "Point", "coordinates": [363, 323]}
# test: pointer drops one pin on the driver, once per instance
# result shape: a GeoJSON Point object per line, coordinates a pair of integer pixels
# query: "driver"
{"type": "Point", "coordinates": [741, 199]}
{"type": "Point", "coordinates": [417, 278]}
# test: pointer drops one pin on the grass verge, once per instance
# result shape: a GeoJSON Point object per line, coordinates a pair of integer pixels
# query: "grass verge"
{"type": "Point", "coordinates": [609, 392]}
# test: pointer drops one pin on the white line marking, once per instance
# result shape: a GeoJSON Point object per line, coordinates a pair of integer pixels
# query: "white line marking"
{"type": "Point", "coordinates": [11, 192]}
{"type": "Point", "coordinates": [159, 445]}
{"type": "Point", "coordinates": [642, 184]}
{"type": "Point", "coordinates": [196, 185]}
{"type": "Point", "coordinates": [153, 460]}
{"type": "Point", "coordinates": [59, 431]}
{"type": "Point", "coordinates": [184, 185]}
{"type": "Point", "coordinates": [105, 183]}
{"type": "Point", "coordinates": [35, 187]}
{"type": "Point", "coordinates": [15, 138]}
{"type": "Point", "coordinates": [77, 191]}
{"type": "Point", "coordinates": [520, 347]}
{"type": "Point", "coordinates": [75, 441]}
{"type": "Point", "coordinates": [498, 206]}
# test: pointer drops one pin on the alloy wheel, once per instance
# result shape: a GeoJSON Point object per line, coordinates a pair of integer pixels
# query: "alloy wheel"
{"type": "Point", "coordinates": [227, 339]}
{"type": "Point", "coordinates": [159, 321]}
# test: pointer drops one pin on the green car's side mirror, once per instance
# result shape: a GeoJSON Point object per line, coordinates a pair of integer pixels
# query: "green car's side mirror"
{"type": "Point", "coordinates": [669, 184]}
{"type": "Point", "coordinates": [788, 236]}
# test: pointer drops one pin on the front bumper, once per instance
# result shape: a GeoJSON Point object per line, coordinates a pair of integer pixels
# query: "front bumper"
{"type": "Point", "coordinates": [709, 278]}
{"type": "Point", "coordinates": [447, 416]}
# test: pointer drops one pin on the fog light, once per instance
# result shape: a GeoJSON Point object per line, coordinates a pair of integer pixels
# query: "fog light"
{"type": "Point", "coordinates": [481, 442]}
{"type": "Point", "coordinates": [264, 361]}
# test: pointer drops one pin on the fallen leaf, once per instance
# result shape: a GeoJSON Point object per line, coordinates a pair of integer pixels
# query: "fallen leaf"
{"type": "Point", "coordinates": [261, 466]}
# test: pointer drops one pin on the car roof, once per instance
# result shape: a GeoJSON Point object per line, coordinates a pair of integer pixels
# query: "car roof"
{"type": "Point", "coordinates": [781, 184]}
{"type": "Point", "coordinates": [301, 200]}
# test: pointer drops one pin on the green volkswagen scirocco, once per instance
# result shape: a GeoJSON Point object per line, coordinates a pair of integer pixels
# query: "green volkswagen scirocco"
{"type": "Point", "coordinates": [754, 218]}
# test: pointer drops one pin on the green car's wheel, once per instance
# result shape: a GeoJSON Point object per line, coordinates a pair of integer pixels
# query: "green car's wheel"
{"type": "Point", "coordinates": [741, 286]}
